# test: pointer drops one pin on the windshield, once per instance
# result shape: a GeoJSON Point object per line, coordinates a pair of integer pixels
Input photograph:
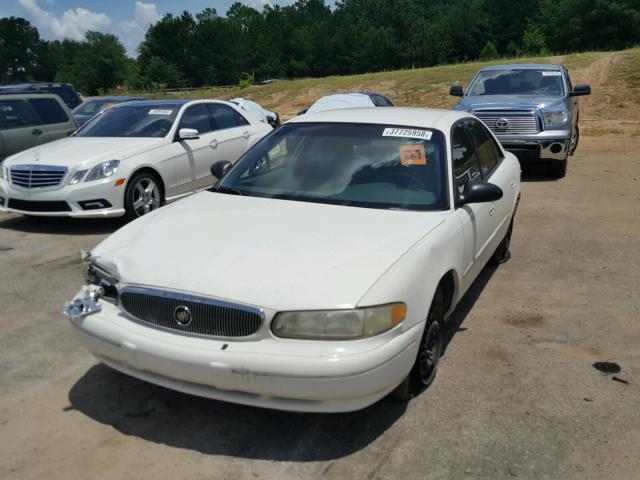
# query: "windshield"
{"type": "Point", "coordinates": [92, 107]}
{"type": "Point", "coordinates": [132, 121]}
{"type": "Point", "coordinates": [517, 82]}
{"type": "Point", "coordinates": [374, 166]}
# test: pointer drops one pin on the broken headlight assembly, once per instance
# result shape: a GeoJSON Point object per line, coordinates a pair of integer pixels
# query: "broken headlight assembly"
{"type": "Point", "coordinates": [99, 284]}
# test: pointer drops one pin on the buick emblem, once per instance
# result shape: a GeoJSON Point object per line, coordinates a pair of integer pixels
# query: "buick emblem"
{"type": "Point", "coordinates": [502, 123]}
{"type": "Point", "coordinates": [182, 315]}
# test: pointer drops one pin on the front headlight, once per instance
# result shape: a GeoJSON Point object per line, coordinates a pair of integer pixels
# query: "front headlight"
{"type": "Point", "coordinates": [555, 118]}
{"type": "Point", "coordinates": [77, 177]}
{"type": "Point", "coordinates": [339, 324]}
{"type": "Point", "coordinates": [103, 170]}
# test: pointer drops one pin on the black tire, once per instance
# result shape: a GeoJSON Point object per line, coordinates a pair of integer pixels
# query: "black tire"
{"type": "Point", "coordinates": [503, 252]}
{"type": "Point", "coordinates": [558, 169]}
{"type": "Point", "coordinates": [132, 195]}
{"type": "Point", "coordinates": [573, 143]}
{"type": "Point", "coordinates": [431, 345]}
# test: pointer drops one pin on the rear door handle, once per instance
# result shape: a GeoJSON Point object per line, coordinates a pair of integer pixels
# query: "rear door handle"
{"type": "Point", "coordinates": [246, 135]}
{"type": "Point", "coordinates": [492, 211]}
{"type": "Point", "coordinates": [213, 143]}
{"type": "Point", "coordinates": [36, 131]}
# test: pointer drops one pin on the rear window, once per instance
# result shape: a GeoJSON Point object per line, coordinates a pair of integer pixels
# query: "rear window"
{"type": "Point", "coordinates": [49, 110]}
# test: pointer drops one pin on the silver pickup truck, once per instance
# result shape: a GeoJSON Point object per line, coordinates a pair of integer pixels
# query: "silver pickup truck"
{"type": "Point", "coordinates": [531, 108]}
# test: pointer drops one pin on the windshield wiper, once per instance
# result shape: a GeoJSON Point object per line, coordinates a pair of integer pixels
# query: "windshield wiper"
{"type": "Point", "coordinates": [224, 189]}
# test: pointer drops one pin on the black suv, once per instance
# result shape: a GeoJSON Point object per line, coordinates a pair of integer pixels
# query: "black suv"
{"type": "Point", "coordinates": [65, 91]}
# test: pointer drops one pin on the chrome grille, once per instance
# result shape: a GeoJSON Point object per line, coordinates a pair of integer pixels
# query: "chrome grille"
{"type": "Point", "coordinates": [37, 176]}
{"type": "Point", "coordinates": [517, 122]}
{"type": "Point", "coordinates": [208, 317]}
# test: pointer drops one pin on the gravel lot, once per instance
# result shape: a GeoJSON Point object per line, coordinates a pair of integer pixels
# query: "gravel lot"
{"type": "Point", "coordinates": [516, 394]}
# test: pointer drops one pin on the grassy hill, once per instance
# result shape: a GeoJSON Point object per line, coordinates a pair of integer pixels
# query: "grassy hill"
{"type": "Point", "coordinates": [613, 107]}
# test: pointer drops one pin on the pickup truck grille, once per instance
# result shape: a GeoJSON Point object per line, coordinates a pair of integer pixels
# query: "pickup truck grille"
{"type": "Point", "coordinates": [190, 314]}
{"type": "Point", "coordinates": [510, 122]}
{"type": "Point", "coordinates": [37, 176]}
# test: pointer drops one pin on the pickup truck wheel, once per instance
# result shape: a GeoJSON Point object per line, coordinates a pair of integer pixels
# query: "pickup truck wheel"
{"type": "Point", "coordinates": [575, 137]}
{"type": "Point", "coordinates": [558, 169]}
{"type": "Point", "coordinates": [143, 195]}
{"type": "Point", "coordinates": [431, 345]}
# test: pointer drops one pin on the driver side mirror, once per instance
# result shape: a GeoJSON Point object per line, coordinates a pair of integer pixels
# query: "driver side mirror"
{"type": "Point", "coordinates": [456, 91]}
{"type": "Point", "coordinates": [220, 168]}
{"type": "Point", "coordinates": [188, 134]}
{"type": "Point", "coordinates": [480, 192]}
{"type": "Point", "coordinates": [580, 89]}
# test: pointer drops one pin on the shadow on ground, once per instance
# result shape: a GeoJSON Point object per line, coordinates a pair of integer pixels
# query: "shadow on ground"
{"type": "Point", "coordinates": [62, 225]}
{"type": "Point", "coordinates": [536, 172]}
{"type": "Point", "coordinates": [163, 416]}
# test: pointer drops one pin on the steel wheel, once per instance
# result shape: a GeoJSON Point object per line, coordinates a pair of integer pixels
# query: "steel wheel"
{"type": "Point", "coordinates": [575, 137]}
{"type": "Point", "coordinates": [429, 353]}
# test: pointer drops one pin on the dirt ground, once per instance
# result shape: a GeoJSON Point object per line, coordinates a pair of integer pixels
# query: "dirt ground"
{"type": "Point", "coordinates": [516, 394]}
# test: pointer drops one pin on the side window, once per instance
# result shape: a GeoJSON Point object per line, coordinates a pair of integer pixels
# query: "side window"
{"type": "Point", "coordinates": [485, 149]}
{"type": "Point", "coordinates": [465, 163]}
{"type": "Point", "coordinates": [225, 117]}
{"type": "Point", "coordinates": [196, 117]}
{"type": "Point", "coordinates": [49, 110]}
{"type": "Point", "coordinates": [16, 114]}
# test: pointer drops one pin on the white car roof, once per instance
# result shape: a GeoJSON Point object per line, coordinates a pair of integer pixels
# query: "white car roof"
{"type": "Point", "coordinates": [341, 100]}
{"type": "Point", "coordinates": [401, 116]}
{"type": "Point", "coordinates": [254, 109]}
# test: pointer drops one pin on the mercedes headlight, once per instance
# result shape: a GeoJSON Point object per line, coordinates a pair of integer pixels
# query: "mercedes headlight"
{"type": "Point", "coordinates": [338, 324]}
{"type": "Point", "coordinates": [103, 170]}
{"type": "Point", "coordinates": [555, 118]}
{"type": "Point", "coordinates": [77, 177]}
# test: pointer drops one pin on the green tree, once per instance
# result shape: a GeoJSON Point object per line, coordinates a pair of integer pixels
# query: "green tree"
{"type": "Point", "coordinates": [19, 41]}
{"type": "Point", "coordinates": [489, 51]}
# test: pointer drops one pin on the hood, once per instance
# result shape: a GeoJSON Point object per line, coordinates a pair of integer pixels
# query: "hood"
{"type": "Point", "coordinates": [85, 151]}
{"type": "Point", "coordinates": [509, 102]}
{"type": "Point", "coordinates": [270, 253]}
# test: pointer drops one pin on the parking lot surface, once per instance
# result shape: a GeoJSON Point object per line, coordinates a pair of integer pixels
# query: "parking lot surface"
{"type": "Point", "coordinates": [516, 394]}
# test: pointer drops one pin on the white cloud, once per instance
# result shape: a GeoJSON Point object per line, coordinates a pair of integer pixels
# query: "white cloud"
{"type": "Point", "coordinates": [131, 32]}
{"type": "Point", "coordinates": [73, 23]}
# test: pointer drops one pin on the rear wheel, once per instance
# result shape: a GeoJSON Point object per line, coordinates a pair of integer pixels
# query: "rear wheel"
{"type": "Point", "coordinates": [431, 345]}
{"type": "Point", "coordinates": [143, 195]}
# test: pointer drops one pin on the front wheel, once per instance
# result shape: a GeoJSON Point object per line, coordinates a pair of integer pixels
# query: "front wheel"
{"type": "Point", "coordinates": [431, 346]}
{"type": "Point", "coordinates": [143, 195]}
{"type": "Point", "coordinates": [575, 138]}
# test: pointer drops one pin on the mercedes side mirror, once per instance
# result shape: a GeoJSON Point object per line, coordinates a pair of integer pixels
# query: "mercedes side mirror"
{"type": "Point", "coordinates": [188, 134]}
{"type": "Point", "coordinates": [580, 89]}
{"type": "Point", "coordinates": [480, 192]}
{"type": "Point", "coordinates": [220, 168]}
{"type": "Point", "coordinates": [456, 91]}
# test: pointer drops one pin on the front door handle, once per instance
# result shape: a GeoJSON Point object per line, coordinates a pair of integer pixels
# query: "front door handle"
{"type": "Point", "coordinates": [513, 183]}
{"type": "Point", "coordinates": [492, 211]}
{"type": "Point", "coordinates": [36, 131]}
{"type": "Point", "coordinates": [246, 135]}
{"type": "Point", "coordinates": [213, 143]}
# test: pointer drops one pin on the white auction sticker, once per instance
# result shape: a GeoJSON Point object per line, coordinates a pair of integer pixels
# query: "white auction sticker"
{"type": "Point", "coordinates": [407, 133]}
{"type": "Point", "coordinates": [551, 73]}
{"type": "Point", "coordinates": [160, 112]}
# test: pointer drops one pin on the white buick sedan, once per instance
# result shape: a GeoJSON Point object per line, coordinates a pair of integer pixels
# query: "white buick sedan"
{"type": "Point", "coordinates": [317, 273]}
{"type": "Point", "coordinates": [129, 159]}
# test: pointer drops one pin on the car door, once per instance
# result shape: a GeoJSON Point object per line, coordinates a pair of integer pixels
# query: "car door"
{"type": "Point", "coordinates": [490, 156]}
{"type": "Point", "coordinates": [18, 126]}
{"type": "Point", "coordinates": [55, 120]}
{"type": "Point", "coordinates": [476, 219]}
{"type": "Point", "coordinates": [189, 156]}
{"type": "Point", "coordinates": [233, 133]}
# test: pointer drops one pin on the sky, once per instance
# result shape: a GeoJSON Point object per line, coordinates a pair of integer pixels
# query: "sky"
{"type": "Point", "coordinates": [127, 19]}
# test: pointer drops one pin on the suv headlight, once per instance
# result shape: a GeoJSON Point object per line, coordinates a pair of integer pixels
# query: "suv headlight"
{"type": "Point", "coordinates": [103, 170]}
{"type": "Point", "coordinates": [555, 118]}
{"type": "Point", "coordinates": [338, 324]}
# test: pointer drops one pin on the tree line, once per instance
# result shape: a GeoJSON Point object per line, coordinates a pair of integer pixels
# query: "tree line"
{"type": "Point", "coordinates": [309, 38]}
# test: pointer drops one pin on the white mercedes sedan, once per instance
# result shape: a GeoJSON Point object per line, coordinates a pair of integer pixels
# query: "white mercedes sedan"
{"type": "Point", "coordinates": [317, 274]}
{"type": "Point", "coordinates": [129, 159]}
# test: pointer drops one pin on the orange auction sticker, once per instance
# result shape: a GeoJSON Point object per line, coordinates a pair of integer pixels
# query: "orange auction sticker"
{"type": "Point", "coordinates": [413, 155]}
